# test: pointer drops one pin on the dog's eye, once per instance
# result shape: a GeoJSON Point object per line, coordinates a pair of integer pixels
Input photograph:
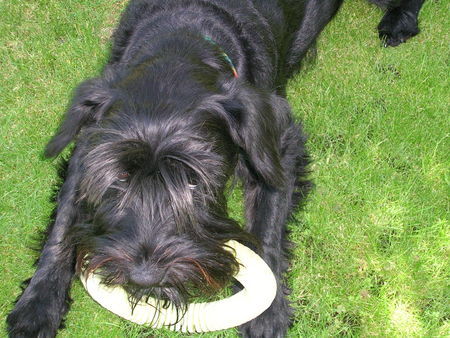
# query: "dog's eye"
{"type": "Point", "coordinates": [123, 176]}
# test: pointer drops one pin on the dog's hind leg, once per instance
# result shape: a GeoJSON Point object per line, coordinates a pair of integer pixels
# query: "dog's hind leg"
{"type": "Point", "coordinates": [39, 310]}
{"type": "Point", "coordinates": [317, 14]}
{"type": "Point", "coordinates": [400, 21]}
{"type": "Point", "coordinates": [267, 211]}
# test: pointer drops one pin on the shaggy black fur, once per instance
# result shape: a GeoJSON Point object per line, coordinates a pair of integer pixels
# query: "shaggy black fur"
{"type": "Point", "coordinates": [159, 134]}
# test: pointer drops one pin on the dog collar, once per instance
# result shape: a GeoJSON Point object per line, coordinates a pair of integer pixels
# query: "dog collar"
{"type": "Point", "coordinates": [224, 55]}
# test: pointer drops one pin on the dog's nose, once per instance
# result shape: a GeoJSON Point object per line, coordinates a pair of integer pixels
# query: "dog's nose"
{"type": "Point", "coordinates": [145, 277]}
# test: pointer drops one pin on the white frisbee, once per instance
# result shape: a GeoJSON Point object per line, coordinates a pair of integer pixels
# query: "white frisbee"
{"type": "Point", "coordinates": [260, 288]}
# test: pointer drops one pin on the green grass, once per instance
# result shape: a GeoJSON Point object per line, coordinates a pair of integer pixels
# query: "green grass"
{"type": "Point", "coordinates": [373, 245]}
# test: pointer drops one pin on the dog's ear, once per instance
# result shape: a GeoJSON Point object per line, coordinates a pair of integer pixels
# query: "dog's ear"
{"type": "Point", "coordinates": [255, 119]}
{"type": "Point", "coordinates": [92, 98]}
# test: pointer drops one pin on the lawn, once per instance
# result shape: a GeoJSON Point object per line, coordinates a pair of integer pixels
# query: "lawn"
{"type": "Point", "coordinates": [373, 243]}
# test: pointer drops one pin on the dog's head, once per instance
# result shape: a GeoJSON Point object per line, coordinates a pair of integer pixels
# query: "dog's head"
{"type": "Point", "coordinates": [155, 151]}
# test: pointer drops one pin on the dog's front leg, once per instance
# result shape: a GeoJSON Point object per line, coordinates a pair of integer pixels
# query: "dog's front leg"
{"type": "Point", "coordinates": [43, 303]}
{"type": "Point", "coordinates": [267, 211]}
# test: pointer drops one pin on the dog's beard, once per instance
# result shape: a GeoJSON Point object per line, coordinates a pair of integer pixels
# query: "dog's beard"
{"type": "Point", "coordinates": [193, 265]}
{"type": "Point", "coordinates": [186, 278]}
{"type": "Point", "coordinates": [164, 297]}
{"type": "Point", "coordinates": [179, 295]}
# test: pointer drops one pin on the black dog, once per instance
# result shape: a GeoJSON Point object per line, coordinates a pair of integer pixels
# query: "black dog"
{"type": "Point", "coordinates": [191, 96]}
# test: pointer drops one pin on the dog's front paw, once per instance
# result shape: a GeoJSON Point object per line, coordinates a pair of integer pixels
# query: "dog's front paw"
{"type": "Point", "coordinates": [397, 26]}
{"type": "Point", "coordinates": [273, 323]}
{"type": "Point", "coordinates": [31, 319]}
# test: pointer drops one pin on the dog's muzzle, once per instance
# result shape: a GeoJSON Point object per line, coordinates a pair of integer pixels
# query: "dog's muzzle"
{"type": "Point", "coordinates": [260, 288]}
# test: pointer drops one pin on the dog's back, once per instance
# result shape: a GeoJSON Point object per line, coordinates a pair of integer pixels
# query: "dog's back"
{"type": "Point", "coordinates": [250, 32]}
